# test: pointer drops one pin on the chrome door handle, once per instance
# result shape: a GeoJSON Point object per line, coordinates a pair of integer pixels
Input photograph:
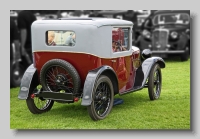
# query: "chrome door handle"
{"type": "Point", "coordinates": [113, 60]}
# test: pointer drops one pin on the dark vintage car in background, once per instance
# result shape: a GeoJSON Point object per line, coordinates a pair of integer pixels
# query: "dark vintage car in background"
{"type": "Point", "coordinates": [167, 32]}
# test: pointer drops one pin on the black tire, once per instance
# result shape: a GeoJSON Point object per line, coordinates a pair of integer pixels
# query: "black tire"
{"type": "Point", "coordinates": [16, 74]}
{"type": "Point", "coordinates": [102, 99]}
{"type": "Point", "coordinates": [60, 76]}
{"type": "Point", "coordinates": [38, 105]}
{"type": "Point", "coordinates": [185, 56]}
{"type": "Point", "coordinates": [155, 82]}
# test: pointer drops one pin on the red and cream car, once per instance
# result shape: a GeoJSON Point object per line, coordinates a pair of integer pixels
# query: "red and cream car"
{"type": "Point", "coordinates": [87, 59]}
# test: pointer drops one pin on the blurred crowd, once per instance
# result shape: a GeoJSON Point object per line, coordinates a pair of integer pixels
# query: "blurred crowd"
{"type": "Point", "coordinates": [20, 33]}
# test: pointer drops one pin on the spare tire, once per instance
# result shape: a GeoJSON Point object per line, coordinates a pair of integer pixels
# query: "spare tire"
{"type": "Point", "coordinates": [60, 76]}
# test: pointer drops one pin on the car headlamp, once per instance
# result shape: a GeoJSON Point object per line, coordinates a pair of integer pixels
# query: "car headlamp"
{"type": "Point", "coordinates": [174, 35]}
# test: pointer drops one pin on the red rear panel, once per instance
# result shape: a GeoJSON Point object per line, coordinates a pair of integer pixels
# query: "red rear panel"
{"type": "Point", "coordinates": [84, 62]}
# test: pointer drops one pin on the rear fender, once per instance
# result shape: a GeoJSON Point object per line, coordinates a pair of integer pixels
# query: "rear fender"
{"type": "Point", "coordinates": [91, 79]}
{"type": "Point", "coordinates": [29, 82]}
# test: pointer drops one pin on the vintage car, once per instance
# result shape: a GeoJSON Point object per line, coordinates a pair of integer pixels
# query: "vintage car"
{"type": "Point", "coordinates": [93, 69]}
{"type": "Point", "coordinates": [167, 32]}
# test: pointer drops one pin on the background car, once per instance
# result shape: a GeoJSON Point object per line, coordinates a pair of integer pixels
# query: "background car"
{"type": "Point", "coordinates": [167, 32]}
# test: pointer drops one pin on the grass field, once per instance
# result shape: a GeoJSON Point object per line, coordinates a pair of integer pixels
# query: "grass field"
{"type": "Point", "coordinates": [170, 111]}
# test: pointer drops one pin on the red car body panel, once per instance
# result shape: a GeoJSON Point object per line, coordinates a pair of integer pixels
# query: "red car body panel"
{"type": "Point", "coordinates": [123, 66]}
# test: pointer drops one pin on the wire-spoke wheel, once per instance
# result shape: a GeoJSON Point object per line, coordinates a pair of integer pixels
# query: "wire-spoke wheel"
{"type": "Point", "coordinates": [185, 55]}
{"type": "Point", "coordinates": [38, 105]}
{"type": "Point", "coordinates": [155, 82]}
{"type": "Point", "coordinates": [16, 73]}
{"type": "Point", "coordinates": [60, 76]}
{"type": "Point", "coordinates": [103, 96]}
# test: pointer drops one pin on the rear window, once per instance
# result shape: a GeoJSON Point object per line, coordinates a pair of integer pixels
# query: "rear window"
{"type": "Point", "coordinates": [60, 38]}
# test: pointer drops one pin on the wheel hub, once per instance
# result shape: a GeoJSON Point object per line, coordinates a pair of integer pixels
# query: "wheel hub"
{"type": "Point", "coordinates": [61, 79]}
{"type": "Point", "coordinates": [104, 98]}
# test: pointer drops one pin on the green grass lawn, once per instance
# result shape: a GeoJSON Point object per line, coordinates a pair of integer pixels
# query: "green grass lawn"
{"type": "Point", "coordinates": [170, 111]}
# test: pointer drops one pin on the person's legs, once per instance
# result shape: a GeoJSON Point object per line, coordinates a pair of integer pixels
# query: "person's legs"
{"type": "Point", "coordinates": [27, 60]}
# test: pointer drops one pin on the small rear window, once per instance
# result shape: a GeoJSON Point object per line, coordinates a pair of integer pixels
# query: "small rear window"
{"type": "Point", "coordinates": [60, 38]}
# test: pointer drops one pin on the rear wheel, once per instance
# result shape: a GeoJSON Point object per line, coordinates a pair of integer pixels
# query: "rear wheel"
{"type": "Point", "coordinates": [103, 97]}
{"type": "Point", "coordinates": [38, 105]}
{"type": "Point", "coordinates": [155, 82]}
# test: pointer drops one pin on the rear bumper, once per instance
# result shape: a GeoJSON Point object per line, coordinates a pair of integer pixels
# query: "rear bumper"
{"type": "Point", "coordinates": [68, 97]}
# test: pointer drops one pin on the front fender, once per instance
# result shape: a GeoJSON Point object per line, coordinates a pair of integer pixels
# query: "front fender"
{"type": "Point", "coordinates": [91, 79]}
{"type": "Point", "coordinates": [148, 64]}
{"type": "Point", "coordinates": [28, 82]}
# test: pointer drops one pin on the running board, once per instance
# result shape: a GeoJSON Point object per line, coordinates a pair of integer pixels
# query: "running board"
{"type": "Point", "coordinates": [68, 97]}
{"type": "Point", "coordinates": [135, 88]}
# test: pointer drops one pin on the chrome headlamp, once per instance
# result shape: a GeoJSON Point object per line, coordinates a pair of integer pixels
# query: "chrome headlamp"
{"type": "Point", "coordinates": [174, 35]}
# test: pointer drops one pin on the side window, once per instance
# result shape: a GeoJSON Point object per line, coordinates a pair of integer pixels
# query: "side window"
{"type": "Point", "coordinates": [60, 38]}
{"type": "Point", "coordinates": [120, 39]}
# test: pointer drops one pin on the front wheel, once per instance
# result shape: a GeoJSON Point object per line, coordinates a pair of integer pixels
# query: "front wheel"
{"type": "Point", "coordinates": [38, 105]}
{"type": "Point", "coordinates": [185, 56]}
{"type": "Point", "coordinates": [155, 82]}
{"type": "Point", "coordinates": [103, 97]}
